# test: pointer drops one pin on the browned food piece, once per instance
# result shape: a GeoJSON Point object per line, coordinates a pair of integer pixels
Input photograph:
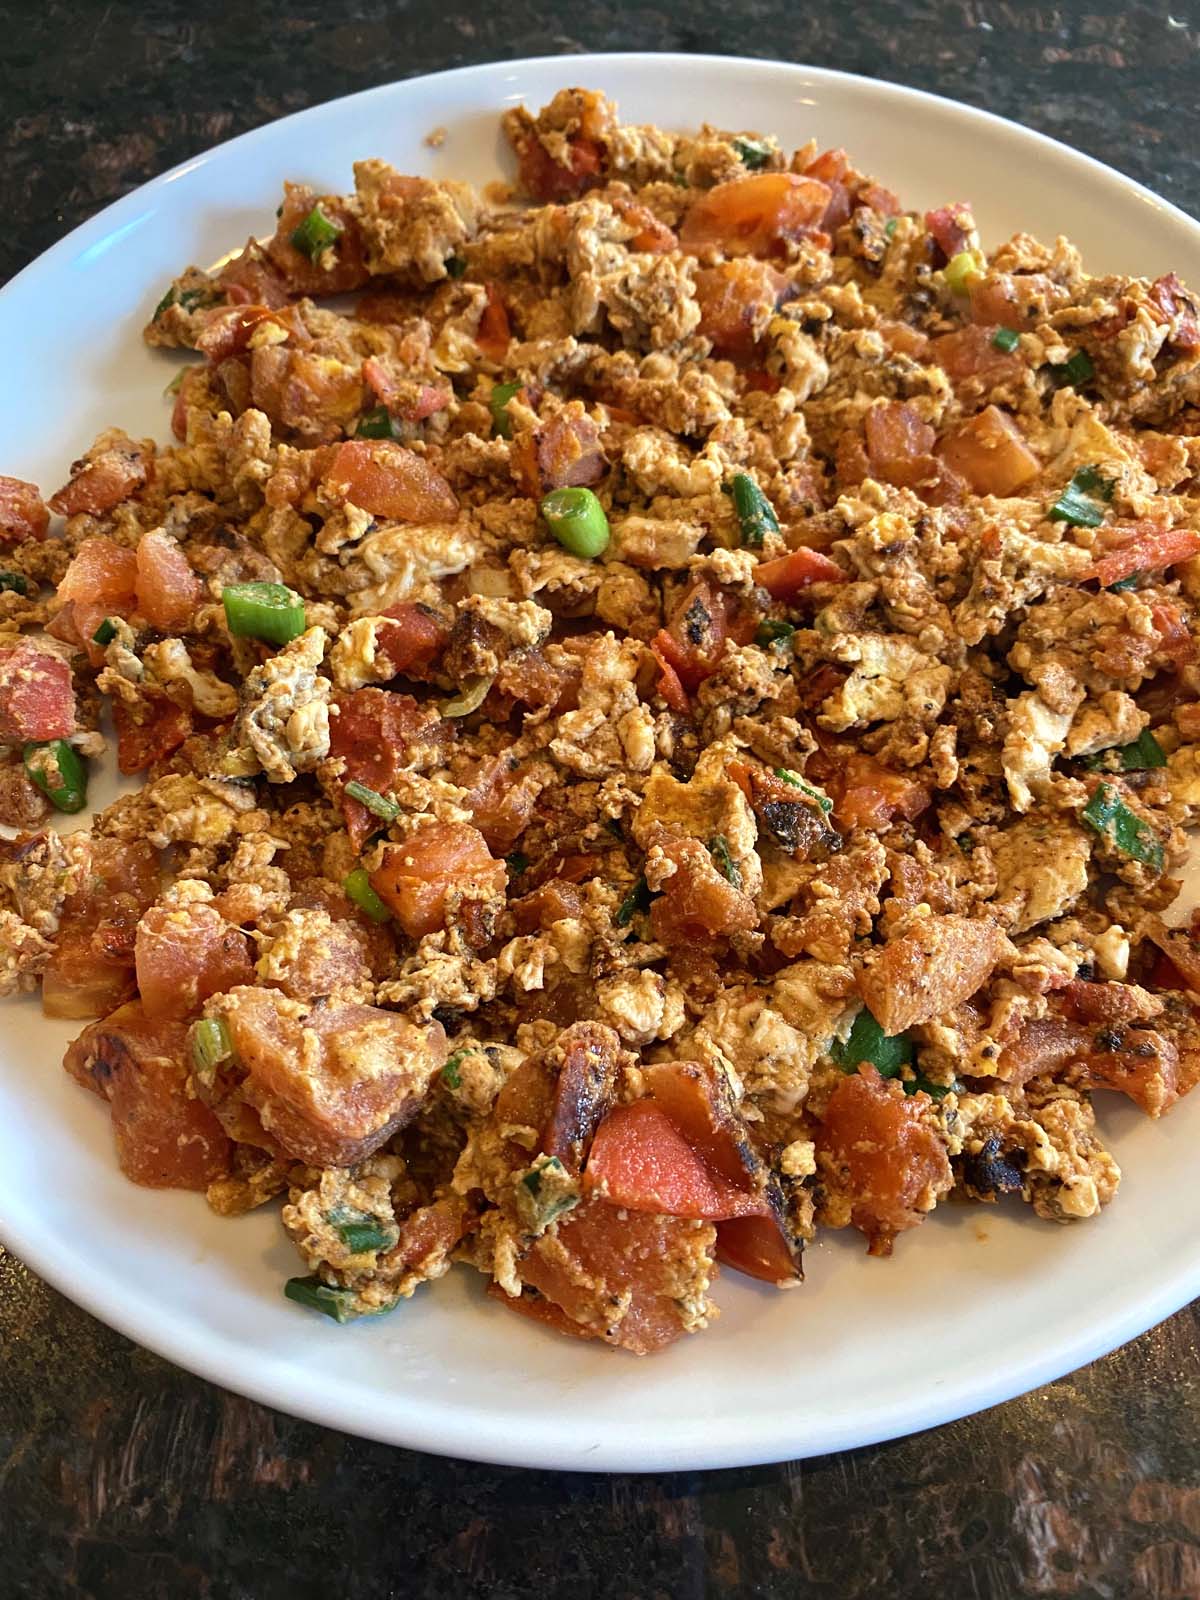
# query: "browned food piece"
{"type": "Point", "coordinates": [697, 902]}
{"type": "Point", "coordinates": [989, 452]}
{"type": "Point", "coordinates": [327, 1084]}
{"type": "Point", "coordinates": [183, 954]}
{"type": "Point", "coordinates": [166, 1138]}
{"type": "Point", "coordinates": [91, 970]}
{"type": "Point", "coordinates": [928, 969]}
{"type": "Point", "coordinates": [879, 1156]}
{"type": "Point", "coordinates": [560, 1095]}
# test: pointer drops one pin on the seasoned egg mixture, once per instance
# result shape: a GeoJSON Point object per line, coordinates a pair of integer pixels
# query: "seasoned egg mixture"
{"type": "Point", "coordinates": [667, 727]}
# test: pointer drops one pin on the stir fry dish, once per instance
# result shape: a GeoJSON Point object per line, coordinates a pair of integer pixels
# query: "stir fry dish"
{"type": "Point", "coordinates": [666, 706]}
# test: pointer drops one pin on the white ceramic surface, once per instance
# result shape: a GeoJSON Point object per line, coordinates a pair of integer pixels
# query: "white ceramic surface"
{"type": "Point", "coordinates": [977, 1305]}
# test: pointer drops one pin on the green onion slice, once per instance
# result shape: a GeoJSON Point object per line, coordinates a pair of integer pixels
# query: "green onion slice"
{"type": "Point", "coordinates": [1006, 339]}
{"type": "Point", "coordinates": [359, 1231]}
{"type": "Point", "coordinates": [516, 863]}
{"type": "Point", "coordinates": [961, 270]}
{"type": "Point", "coordinates": [1131, 582]}
{"type": "Point", "coordinates": [13, 583]}
{"type": "Point", "coordinates": [498, 400]}
{"type": "Point", "coordinates": [452, 1071]}
{"type": "Point", "coordinates": [456, 266]}
{"type": "Point", "coordinates": [753, 153]}
{"type": "Point", "coordinates": [105, 633]}
{"type": "Point", "coordinates": [469, 698]}
{"type": "Point", "coordinates": [638, 899]}
{"type": "Point", "coordinates": [211, 1044]}
{"type": "Point", "coordinates": [718, 849]}
{"type": "Point", "coordinates": [920, 1084]}
{"type": "Point", "coordinates": [377, 804]}
{"type": "Point", "coordinates": [59, 772]}
{"type": "Point", "coordinates": [576, 519]}
{"type": "Point", "coordinates": [794, 778]}
{"type": "Point", "coordinates": [773, 633]}
{"type": "Point", "coordinates": [357, 885]}
{"type": "Point", "coordinates": [1077, 504]}
{"type": "Point", "coordinates": [1112, 819]}
{"type": "Point", "coordinates": [315, 234]}
{"type": "Point", "coordinates": [755, 514]}
{"type": "Point", "coordinates": [377, 423]}
{"type": "Point", "coordinates": [868, 1042]}
{"type": "Point", "coordinates": [318, 1296]}
{"type": "Point", "coordinates": [1144, 753]}
{"type": "Point", "coordinates": [1075, 371]}
{"type": "Point", "coordinates": [268, 611]}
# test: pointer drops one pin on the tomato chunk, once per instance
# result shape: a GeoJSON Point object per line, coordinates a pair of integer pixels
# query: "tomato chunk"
{"type": "Point", "coordinates": [163, 728]}
{"type": "Point", "coordinates": [867, 794]}
{"type": "Point", "coordinates": [697, 902]}
{"type": "Point", "coordinates": [91, 970]}
{"type": "Point", "coordinates": [99, 583]}
{"type": "Point", "coordinates": [493, 333]}
{"type": "Point", "coordinates": [166, 588]}
{"type": "Point", "coordinates": [22, 513]}
{"type": "Point", "coordinates": [410, 638]}
{"type": "Point", "coordinates": [544, 178]}
{"type": "Point", "coordinates": [755, 216]}
{"type": "Point", "coordinates": [416, 877]}
{"type": "Point", "coordinates": [639, 1161]}
{"type": "Point", "coordinates": [989, 452]}
{"type": "Point", "coordinates": [736, 300]}
{"type": "Point", "coordinates": [166, 1139]}
{"type": "Point", "coordinates": [375, 732]}
{"type": "Point", "coordinates": [877, 1147]}
{"type": "Point", "coordinates": [37, 701]}
{"type": "Point", "coordinates": [899, 444]}
{"type": "Point", "coordinates": [108, 474]}
{"type": "Point", "coordinates": [786, 576]}
{"type": "Point", "coordinates": [386, 480]}
{"type": "Point", "coordinates": [185, 953]}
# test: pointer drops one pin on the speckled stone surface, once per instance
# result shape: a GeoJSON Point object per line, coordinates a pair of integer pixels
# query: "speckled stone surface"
{"type": "Point", "coordinates": [121, 1476]}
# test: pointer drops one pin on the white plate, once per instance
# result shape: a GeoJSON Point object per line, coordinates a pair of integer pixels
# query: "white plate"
{"type": "Point", "coordinates": [977, 1305]}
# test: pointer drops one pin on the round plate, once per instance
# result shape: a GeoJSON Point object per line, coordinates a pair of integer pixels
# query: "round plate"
{"type": "Point", "coordinates": [977, 1305]}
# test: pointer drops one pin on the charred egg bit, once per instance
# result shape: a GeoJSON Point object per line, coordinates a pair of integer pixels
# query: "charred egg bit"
{"type": "Point", "coordinates": [667, 729]}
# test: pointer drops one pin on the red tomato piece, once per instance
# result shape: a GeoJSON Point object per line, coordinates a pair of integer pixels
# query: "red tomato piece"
{"type": "Point", "coordinates": [736, 300]}
{"type": "Point", "coordinates": [756, 1246]}
{"type": "Point", "coordinates": [755, 216]}
{"type": "Point", "coordinates": [951, 228]}
{"type": "Point", "coordinates": [37, 701]}
{"type": "Point", "coordinates": [867, 794]}
{"type": "Point", "coordinates": [388, 481]}
{"type": "Point", "coordinates": [22, 513]}
{"type": "Point", "coordinates": [410, 638]}
{"type": "Point", "coordinates": [969, 354]}
{"type": "Point", "coordinates": [1147, 548]}
{"type": "Point", "coordinates": [102, 480]}
{"type": "Point", "coordinates": [338, 271]}
{"type": "Point", "coordinates": [641, 1162]}
{"type": "Point", "coordinates": [98, 583]}
{"type": "Point", "coordinates": [786, 576]}
{"type": "Point", "coordinates": [183, 954]}
{"type": "Point", "coordinates": [989, 452]}
{"type": "Point", "coordinates": [415, 878]}
{"type": "Point", "coordinates": [166, 1138]}
{"type": "Point", "coordinates": [543, 178]}
{"type": "Point", "coordinates": [91, 970]}
{"type": "Point", "coordinates": [670, 685]}
{"type": "Point", "coordinates": [899, 444]}
{"type": "Point", "coordinates": [494, 332]}
{"type": "Point", "coordinates": [1177, 306]}
{"type": "Point", "coordinates": [162, 730]}
{"type": "Point", "coordinates": [166, 589]}
{"type": "Point", "coordinates": [373, 731]}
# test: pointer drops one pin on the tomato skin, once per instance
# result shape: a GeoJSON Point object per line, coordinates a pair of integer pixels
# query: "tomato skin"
{"type": "Point", "coordinates": [373, 732]}
{"type": "Point", "coordinates": [37, 701]}
{"type": "Point", "coordinates": [867, 794]}
{"type": "Point", "coordinates": [736, 299]}
{"type": "Point", "coordinates": [670, 685]}
{"type": "Point", "coordinates": [1151, 550]}
{"type": "Point", "coordinates": [786, 576]}
{"type": "Point", "coordinates": [639, 1161]}
{"type": "Point", "coordinates": [410, 638]}
{"type": "Point", "coordinates": [22, 512]}
{"type": "Point", "coordinates": [950, 227]}
{"type": "Point", "coordinates": [166, 589]}
{"type": "Point", "coordinates": [91, 970]}
{"type": "Point", "coordinates": [755, 1245]}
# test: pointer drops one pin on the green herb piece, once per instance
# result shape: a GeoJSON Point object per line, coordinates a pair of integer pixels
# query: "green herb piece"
{"type": "Point", "coordinates": [965, 843]}
{"type": "Point", "coordinates": [1006, 339]}
{"type": "Point", "coordinates": [167, 300]}
{"type": "Point", "coordinates": [59, 772]}
{"type": "Point", "coordinates": [317, 1296]}
{"type": "Point", "coordinates": [456, 266]}
{"type": "Point", "coordinates": [13, 583]}
{"type": "Point", "coordinates": [452, 1071]}
{"type": "Point", "coordinates": [1112, 819]}
{"type": "Point", "coordinates": [378, 423]}
{"type": "Point", "coordinates": [797, 782]}
{"type": "Point", "coordinates": [359, 1231]}
{"type": "Point", "coordinates": [176, 382]}
{"type": "Point", "coordinates": [315, 234]}
{"type": "Point", "coordinates": [755, 514]}
{"type": "Point", "coordinates": [105, 633]}
{"type": "Point", "coordinates": [961, 271]}
{"type": "Point", "coordinates": [1077, 504]}
{"type": "Point", "coordinates": [576, 519]}
{"type": "Point", "coordinates": [545, 1193]}
{"type": "Point", "coordinates": [516, 863]}
{"type": "Point", "coordinates": [936, 1091]}
{"type": "Point", "coordinates": [498, 400]}
{"type": "Point", "coordinates": [753, 153]}
{"type": "Point", "coordinates": [1144, 753]}
{"type": "Point", "coordinates": [469, 698]}
{"type": "Point", "coordinates": [890, 226]}
{"type": "Point", "coordinates": [868, 1042]}
{"type": "Point", "coordinates": [268, 611]}
{"type": "Point", "coordinates": [377, 804]}
{"type": "Point", "coordinates": [1076, 371]}
{"type": "Point", "coordinates": [771, 633]}
{"type": "Point", "coordinates": [358, 887]}
{"type": "Point", "coordinates": [613, 824]}
{"type": "Point", "coordinates": [637, 900]}
{"type": "Point", "coordinates": [1122, 584]}
{"type": "Point", "coordinates": [718, 849]}
{"type": "Point", "coordinates": [210, 1044]}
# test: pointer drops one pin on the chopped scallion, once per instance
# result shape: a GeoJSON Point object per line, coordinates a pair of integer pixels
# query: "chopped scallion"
{"type": "Point", "coordinates": [211, 1044]}
{"type": "Point", "coordinates": [771, 633]}
{"type": "Point", "coordinates": [469, 698]}
{"type": "Point", "coordinates": [377, 423]}
{"type": "Point", "coordinates": [105, 633]}
{"type": "Point", "coordinates": [1122, 584]}
{"type": "Point", "coordinates": [498, 400]}
{"type": "Point", "coordinates": [1006, 339]}
{"type": "Point", "coordinates": [317, 1296]}
{"type": "Point", "coordinates": [576, 519]}
{"type": "Point", "coordinates": [377, 804]}
{"type": "Point", "coordinates": [752, 153]}
{"type": "Point", "coordinates": [1075, 371]}
{"type": "Point", "coordinates": [315, 234]}
{"type": "Point", "coordinates": [59, 772]}
{"type": "Point", "coordinates": [755, 514]}
{"type": "Point", "coordinates": [13, 583]}
{"type": "Point", "coordinates": [452, 1071]}
{"type": "Point", "coordinates": [868, 1042]}
{"type": "Point", "coordinates": [718, 849]}
{"type": "Point", "coordinates": [797, 782]}
{"type": "Point", "coordinates": [359, 1231]}
{"type": "Point", "coordinates": [1144, 753]}
{"type": "Point", "coordinates": [638, 899]}
{"type": "Point", "coordinates": [268, 611]}
{"type": "Point", "coordinates": [1112, 819]}
{"type": "Point", "coordinates": [516, 863]}
{"type": "Point", "coordinates": [359, 889]}
{"type": "Point", "coordinates": [456, 266]}
{"type": "Point", "coordinates": [961, 270]}
{"type": "Point", "coordinates": [1077, 504]}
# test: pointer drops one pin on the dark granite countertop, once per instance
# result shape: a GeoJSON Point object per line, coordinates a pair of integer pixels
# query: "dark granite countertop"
{"type": "Point", "coordinates": [121, 1475]}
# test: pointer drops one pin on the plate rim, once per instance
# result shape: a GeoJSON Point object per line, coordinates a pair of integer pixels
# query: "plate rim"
{"type": "Point", "coordinates": [462, 1434]}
